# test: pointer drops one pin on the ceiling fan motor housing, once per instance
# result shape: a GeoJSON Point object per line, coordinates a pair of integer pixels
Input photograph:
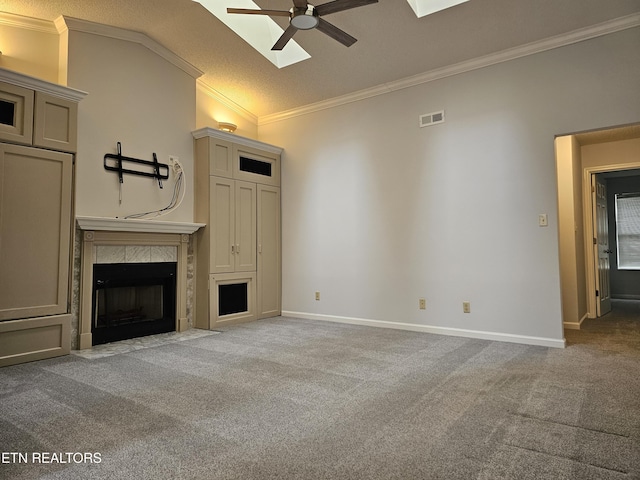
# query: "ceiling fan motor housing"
{"type": "Point", "coordinates": [304, 18]}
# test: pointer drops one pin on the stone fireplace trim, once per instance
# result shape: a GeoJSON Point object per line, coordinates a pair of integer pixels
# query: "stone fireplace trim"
{"type": "Point", "coordinates": [92, 239]}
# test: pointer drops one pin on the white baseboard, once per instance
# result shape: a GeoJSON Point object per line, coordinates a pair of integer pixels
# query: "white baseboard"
{"type": "Point", "coordinates": [575, 325]}
{"type": "Point", "coordinates": [455, 332]}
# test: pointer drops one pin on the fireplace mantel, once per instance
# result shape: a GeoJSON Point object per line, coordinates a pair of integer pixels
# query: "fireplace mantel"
{"type": "Point", "coordinates": [136, 225]}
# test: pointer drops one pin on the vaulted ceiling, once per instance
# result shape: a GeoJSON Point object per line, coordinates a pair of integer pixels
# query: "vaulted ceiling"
{"type": "Point", "coordinates": [392, 42]}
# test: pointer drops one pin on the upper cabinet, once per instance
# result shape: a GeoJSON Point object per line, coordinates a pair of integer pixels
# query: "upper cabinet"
{"type": "Point", "coordinates": [253, 165]}
{"type": "Point", "coordinates": [55, 123]}
{"type": "Point", "coordinates": [236, 157]}
{"type": "Point", "coordinates": [37, 113]}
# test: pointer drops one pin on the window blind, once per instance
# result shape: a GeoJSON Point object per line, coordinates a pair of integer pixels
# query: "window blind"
{"type": "Point", "coordinates": [628, 230]}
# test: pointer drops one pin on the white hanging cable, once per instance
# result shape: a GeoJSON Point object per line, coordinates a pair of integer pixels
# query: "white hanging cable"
{"type": "Point", "coordinates": [179, 189]}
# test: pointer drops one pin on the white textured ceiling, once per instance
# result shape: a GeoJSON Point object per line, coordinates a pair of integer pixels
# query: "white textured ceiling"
{"type": "Point", "coordinates": [392, 43]}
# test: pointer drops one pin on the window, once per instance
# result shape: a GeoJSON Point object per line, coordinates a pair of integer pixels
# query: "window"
{"type": "Point", "coordinates": [628, 230]}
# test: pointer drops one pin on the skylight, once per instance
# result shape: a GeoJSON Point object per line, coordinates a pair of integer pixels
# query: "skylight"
{"type": "Point", "coordinates": [259, 31]}
{"type": "Point", "coordinates": [427, 7]}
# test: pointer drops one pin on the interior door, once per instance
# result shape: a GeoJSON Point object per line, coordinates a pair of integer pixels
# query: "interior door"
{"type": "Point", "coordinates": [601, 246]}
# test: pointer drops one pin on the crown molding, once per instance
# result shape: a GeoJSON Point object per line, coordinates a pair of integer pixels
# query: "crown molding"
{"type": "Point", "coordinates": [18, 21]}
{"type": "Point", "coordinates": [34, 83]}
{"type": "Point", "coordinates": [84, 26]}
{"type": "Point", "coordinates": [605, 28]}
{"type": "Point", "coordinates": [230, 137]}
{"type": "Point", "coordinates": [230, 104]}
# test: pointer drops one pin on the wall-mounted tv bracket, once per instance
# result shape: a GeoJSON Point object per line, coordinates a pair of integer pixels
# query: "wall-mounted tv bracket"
{"type": "Point", "coordinates": [157, 168]}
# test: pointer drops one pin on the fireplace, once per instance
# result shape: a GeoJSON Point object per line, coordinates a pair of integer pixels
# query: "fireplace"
{"type": "Point", "coordinates": [132, 300]}
{"type": "Point", "coordinates": [126, 241]}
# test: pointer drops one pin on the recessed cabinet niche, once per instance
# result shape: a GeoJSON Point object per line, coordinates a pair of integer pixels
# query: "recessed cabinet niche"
{"type": "Point", "coordinates": [238, 274]}
{"type": "Point", "coordinates": [37, 141]}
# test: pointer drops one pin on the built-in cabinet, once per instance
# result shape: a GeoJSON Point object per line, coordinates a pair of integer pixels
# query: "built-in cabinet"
{"type": "Point", "coordinates": [32, 117]}
{"type": "Point", "coordinates": [37, 128]}
{"type": "Point", "coordinates": [35, 229]}
{"type": "Point", "coordinates": [238, 271]}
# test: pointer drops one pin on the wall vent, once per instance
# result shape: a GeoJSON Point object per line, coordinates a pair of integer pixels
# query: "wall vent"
{"type": "Point", "coordinates": [433, 118]}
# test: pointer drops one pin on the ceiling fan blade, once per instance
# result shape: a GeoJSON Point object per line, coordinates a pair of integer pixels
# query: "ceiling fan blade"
{"type": "Point", "coordinates": [284, 39]}
{"type": "Point", "coordinates": [275, 13]}
{"type": "Point", "coordinates": [335, 33]}
{"type": "Point", "coordinates": [340, 5]}
{"type": "Point", "coordinates": [300, 4]}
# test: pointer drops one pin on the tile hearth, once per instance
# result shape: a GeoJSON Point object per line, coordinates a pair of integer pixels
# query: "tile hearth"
{"type": "Point", "coordinates": [133, 344]}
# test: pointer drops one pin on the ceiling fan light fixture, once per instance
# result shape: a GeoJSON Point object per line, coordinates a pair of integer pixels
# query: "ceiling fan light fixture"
{"type": "Point", "coordinates": [304, 19]}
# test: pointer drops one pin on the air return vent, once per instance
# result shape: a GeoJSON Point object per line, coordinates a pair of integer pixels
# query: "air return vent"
{"type": "Point", "coordinates": [433, 118]}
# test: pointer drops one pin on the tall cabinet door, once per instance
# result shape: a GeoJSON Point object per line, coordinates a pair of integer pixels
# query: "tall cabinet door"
{"type": "Point", "coordinates": [233, 221]}
{"type": "Point", "coordinates": [35, 231]}
{"type": "Point", "coordinates": [269, 261]}
{"type": "Point", "coordinates": [245, 234]}
{"type": "Point", "coordinates": [222, 220]}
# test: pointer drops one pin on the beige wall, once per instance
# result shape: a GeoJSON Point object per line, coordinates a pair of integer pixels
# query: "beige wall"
{"type": "Point", "coordinates": [143, 101]}
{"type": "Point", "coordinates": [135, 97]}
{"type": "Point", "coordinates": [211, 109]}
{"type": "Point", "coordinates": [622, 153]}
{"type": "Point", "coordinates": [32, 51]}
{"type": "Point", "coordinates": [571, 231]}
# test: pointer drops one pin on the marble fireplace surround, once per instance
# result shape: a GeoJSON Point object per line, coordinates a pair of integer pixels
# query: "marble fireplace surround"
{"type": "Point", "coordinates": [112, 240]}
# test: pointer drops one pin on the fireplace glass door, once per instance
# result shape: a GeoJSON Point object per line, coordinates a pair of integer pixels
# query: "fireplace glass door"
{"type": "Point", "coordinates": [133, 300]}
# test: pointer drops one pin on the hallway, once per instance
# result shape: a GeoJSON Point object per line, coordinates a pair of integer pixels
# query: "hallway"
{"type": "Point", "coordinates": [617, 331]}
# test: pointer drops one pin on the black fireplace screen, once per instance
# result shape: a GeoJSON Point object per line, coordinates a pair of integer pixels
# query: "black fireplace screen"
{"type": "Point", "coordinates": [133, 300]}
{"type": "Point", "coordinates": [120, 305]}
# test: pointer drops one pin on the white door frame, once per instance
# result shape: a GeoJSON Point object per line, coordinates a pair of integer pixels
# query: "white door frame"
{"type": "Point", "coordinates": [589, 234]}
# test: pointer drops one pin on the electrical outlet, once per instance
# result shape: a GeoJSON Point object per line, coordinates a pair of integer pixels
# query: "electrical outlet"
{"type": "Point", "coordinates": [466, 307]}
{"type": "Point", "coordinates": [317, 295]}
{"type": "Point", "coordinates": [175, 164]}
{"type": "Point", "coordinates": [422, 304]}
{"type": "Point", "coordinates": [543, 220]}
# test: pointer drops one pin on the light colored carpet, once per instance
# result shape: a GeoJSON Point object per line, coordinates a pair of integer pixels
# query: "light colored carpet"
{"type": "Point", "coordinates": [296, 399]}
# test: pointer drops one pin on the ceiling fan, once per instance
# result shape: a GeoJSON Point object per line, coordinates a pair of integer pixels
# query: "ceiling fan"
{"type": "Point", "coordinates": [304, 16]}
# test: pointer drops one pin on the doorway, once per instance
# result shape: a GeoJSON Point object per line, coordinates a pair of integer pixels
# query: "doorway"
{"type": "Point", "coordinates": [579, 157]}
{"type": "Point", "coordinates": [618, 331]}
